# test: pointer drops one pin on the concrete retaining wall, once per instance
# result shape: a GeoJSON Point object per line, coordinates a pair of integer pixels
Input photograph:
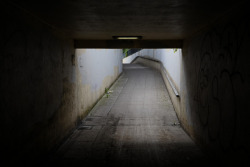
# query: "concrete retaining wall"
{"type": "Point", "coordinates": [129, 59]}
{"type": "Point", "coordinates": [98, 69]}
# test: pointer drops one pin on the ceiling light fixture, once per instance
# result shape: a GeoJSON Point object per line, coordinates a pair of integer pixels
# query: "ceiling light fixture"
{"type": "Point", "coordinates": [127, 37]}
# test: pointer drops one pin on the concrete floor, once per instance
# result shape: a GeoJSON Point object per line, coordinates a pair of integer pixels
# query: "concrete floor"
{"type": "Point", "coordinates": [135, 126]}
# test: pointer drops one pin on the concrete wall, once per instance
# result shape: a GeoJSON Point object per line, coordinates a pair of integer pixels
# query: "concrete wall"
{"type": "Point", "coordinates": [215, 87]}
{"type": "Point", "coordinates": [129, 59]}
{"type": "Point", "coordinates": [98, 69]}
{"type": "Point", "coordinates": [45, 89]}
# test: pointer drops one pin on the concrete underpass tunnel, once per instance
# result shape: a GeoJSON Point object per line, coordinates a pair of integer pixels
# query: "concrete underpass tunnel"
{"type": "Point", "coordinates": [69, 97]}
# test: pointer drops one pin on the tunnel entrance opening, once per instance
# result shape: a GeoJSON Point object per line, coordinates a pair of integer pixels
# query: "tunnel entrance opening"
{"type": "Point", "coordinates": [136, 124]}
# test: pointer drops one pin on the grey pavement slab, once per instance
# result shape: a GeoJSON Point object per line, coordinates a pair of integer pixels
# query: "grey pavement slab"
{"type": "Point", "coordinates": [135, 126]}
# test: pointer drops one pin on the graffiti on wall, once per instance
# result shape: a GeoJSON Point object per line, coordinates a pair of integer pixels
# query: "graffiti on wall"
{"type": "Point", "coordinates": [221, 77]}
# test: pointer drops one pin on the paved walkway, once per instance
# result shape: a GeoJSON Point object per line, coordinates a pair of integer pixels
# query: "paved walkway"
{"type": "Point", "coordinates": [135, 126]}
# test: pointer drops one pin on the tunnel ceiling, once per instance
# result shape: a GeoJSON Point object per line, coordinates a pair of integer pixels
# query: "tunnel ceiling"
{"type": "Point", "coordinates": [102, 19]}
